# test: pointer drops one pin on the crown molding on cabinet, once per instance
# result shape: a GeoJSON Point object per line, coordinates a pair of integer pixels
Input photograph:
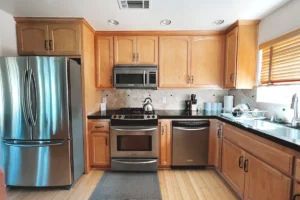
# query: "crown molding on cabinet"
{"type": "Point", "coordinates": [241, 23]}
{"type": "Point", "coordinates": [158, 33]}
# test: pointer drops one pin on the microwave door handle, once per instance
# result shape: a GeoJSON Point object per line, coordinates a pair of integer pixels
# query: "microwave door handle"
{"type": "Point", "coordinates": [142, 129]}
{"type": "Point", "coordinates": [144, 78]}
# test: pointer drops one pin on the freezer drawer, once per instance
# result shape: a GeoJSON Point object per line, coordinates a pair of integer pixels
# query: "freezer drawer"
{"type": "Point", "coordinates": [38, 164]}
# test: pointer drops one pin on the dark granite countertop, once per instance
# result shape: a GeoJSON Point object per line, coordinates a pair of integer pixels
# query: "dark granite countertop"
{"type": "Point", "coordinates": [280, 134]}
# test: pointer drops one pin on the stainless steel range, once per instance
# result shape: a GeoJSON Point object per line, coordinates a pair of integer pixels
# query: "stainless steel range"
{"type": "Point", "coordinates": [134, 140]}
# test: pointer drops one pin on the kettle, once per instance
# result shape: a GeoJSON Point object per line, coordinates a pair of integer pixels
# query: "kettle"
{"type": "Point", "coordinates": [147, 107]}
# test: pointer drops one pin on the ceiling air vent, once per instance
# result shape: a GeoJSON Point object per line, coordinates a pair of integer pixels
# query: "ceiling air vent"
{"type": "Point", "coordinates": [134, 4]}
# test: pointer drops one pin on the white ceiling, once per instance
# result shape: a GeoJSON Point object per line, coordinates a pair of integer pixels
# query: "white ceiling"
{"type": "Point", "coordinates": [185, 14]}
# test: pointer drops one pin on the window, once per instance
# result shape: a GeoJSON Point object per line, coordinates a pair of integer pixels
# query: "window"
{"type": "Point", "coordinates": [280, 61]}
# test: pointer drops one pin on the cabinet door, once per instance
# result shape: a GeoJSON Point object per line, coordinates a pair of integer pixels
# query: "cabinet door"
{"type": "Point", "coordinates": [65, 39]}
{"type": "Point", "coordinates": [231, 58]}
{"type": "Point", "coordinates": [174, 62]}
{"type": "Point", "coordinates": [100, 149]}
{"type": "Point", "coordinates": [165, 143]}
{"type": "Point", "coordinates": [104, 62]}
{"type": "Point", "coordinates": [232, 166]}
{"type": "Point", "coordinates": [264, 182]}
{"type": "Point", "coordinates": [215, 144]}
{"type": "Point", "coordinates": [296, 191]}
{"type": "Point", "coordinates": [125, 50]}
{"type": "Point", "coordinates": [147, 50]}
{"type": "Point", "coordinates": [32, 39]}
{"type": "Point", "coordinates": [206, 65]}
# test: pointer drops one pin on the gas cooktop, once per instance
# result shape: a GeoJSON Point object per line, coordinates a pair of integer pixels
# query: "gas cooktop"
{"type": "Point", "coordinates": [133, 114]}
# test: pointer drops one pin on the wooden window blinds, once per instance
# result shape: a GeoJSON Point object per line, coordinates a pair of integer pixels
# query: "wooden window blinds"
{"type": "Point", "coordinates": [281, 59]}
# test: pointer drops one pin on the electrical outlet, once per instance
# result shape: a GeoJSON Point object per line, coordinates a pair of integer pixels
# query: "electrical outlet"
{"type": "Point", "coordinates": [103, 100]}
{"type": "Point", "coordinates": [164, 100]}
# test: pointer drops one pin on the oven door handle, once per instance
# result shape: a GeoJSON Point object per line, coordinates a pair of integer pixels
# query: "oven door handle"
{"type": "Point", "coordinates": [191, 129]}
{"type": "Point", "coordinates": [138, 129]}
{"type": "Point", "coordinates": [136, 162]}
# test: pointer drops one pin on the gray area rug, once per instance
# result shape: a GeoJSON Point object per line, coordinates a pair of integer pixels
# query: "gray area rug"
{"type": "Point", "coordinates": [127, 186]}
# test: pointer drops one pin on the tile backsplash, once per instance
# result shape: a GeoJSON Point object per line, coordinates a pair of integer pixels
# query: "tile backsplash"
{"type": "Point", "coordinates": [116, 99]}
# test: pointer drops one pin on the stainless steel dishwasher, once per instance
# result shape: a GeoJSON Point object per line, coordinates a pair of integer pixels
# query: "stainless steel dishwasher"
{"type": "Point", "coordinates": [190, 143]}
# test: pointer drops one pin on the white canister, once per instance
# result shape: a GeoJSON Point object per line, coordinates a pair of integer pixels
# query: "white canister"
{"type": "Point", "coordinates": [228, 104]}
{"type": "Point", "coordinates": [219, 106]}
{"type": "Point", "coordinates": [207, 106]}
{"type": "Point", "coordinates": [214, 106]}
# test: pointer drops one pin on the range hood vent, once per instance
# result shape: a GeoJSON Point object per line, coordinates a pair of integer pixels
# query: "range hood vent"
{"type": "Point", "coordinates": [134, 4]}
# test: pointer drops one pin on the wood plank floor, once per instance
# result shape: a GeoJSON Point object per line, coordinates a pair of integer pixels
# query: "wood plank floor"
{"type": "Point", "coordinates": [175, 184]}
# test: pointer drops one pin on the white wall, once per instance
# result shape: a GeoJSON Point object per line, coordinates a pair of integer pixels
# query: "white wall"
{"type": "Point", "coordinates": [8, 40]}
{"type": "Point", "coordinates": [280, 22]}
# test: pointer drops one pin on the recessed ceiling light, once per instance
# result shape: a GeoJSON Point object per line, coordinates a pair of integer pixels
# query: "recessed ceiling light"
{"type": "Point", "coordinates": [165, 22]}
{"type": "Point", "coordinates": [113, 22]}
{"type": "Point", "coordinates": [218, 22]}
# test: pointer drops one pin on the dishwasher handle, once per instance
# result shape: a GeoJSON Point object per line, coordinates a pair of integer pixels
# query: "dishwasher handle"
{"type": "Point", "coordinates": [191, 129]}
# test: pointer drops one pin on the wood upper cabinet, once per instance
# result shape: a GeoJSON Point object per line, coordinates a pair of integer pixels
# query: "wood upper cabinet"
{"type": "Point", "coordinates": [232, 166]}
{"type": "Point", "coordinates": [264, 182]}
{"type": "Point", "coordinates": [241, 56]}
{"type": "Point", "coordinates": [165, 143]}
{"type": "Point", "coordinates": [206, 61]}
{"type": "Point", "coordinates": [99, 149]}
{"type": "Point", "coordinates": [174, 61]}
{"type": "Point", "coordinates": [147, 50]}
{"type": "Point", "coordinates": [49, 38]}
{"type": "Point", "coordinates": [32, 38]}
{"type": "Point", "coordinates": [231, 54]}
{"type": "Point", "coordinates": [64, 39]}
{"type": "Point", "coordinates": [136, 50]}
{"type": "Point", "coordinates": [125, 49]}
{"type": "Point", "coordinates": [215, 144]}
{"type": "Point", "coordinates": [104, 61]}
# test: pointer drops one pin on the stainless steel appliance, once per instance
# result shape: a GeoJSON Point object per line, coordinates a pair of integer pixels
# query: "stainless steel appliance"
{"type": "Point", "coordinates": [41, 121]}
{"type": "Point", "coordinates": [134, 141]}
{"type": "Point", "coordinates": [190, 143]}
{"type": "Point", "coordinates": [148, 107]}
{"type": "Point", "coordinates": [135, 76]}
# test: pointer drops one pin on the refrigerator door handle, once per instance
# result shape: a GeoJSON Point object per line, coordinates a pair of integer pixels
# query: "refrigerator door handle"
{"type": "Point", "coordinates": [33, 143]}
{"type": "Point", "coordinates": [35, 95]}
{"type": "Point", "coordinates": [29, 98]}
{"type": "Point", "coordinates": [25, 98]}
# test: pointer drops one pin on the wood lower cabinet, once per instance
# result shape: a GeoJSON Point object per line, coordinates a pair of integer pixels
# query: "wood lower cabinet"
{"type": "Point", "coordinates": [264, 182]}
{"type": "Point", "coordinates": [32, 39]}
{"type": "Point", "coordinates": [64, 39]}
{"type": "Point", "coordinates": [99, 151]}
{"type": "Point", "coordinates": [232, 166]}
{"type": "Point", "coordinates": [296, 191]}
{"type": "Point", "coordinates": [215, 144]}
{"type": "Point", "coordinates": [104, 61]}
{"type": "Point", "coordinates": [165, 143]}
{"type": "Point", "coordinates": [206, 61]}
{"type": "Point", "coordinates": [174, 61]}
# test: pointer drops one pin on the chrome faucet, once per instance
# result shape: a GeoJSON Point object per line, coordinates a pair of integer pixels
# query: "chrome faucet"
{"type": "Point", "coordinates": [294, 106]}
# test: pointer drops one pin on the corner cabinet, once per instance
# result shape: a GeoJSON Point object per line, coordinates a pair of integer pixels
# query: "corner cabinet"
{"type": "Point", "coordinates": [48, 38]}
{"type": "Point", "coordinates": [136, 50]}
{"type": "Point", "coordinates": [241, 55]}
{"type": "Point", "coordinates": [99, 143]}
{"type": "Point", "coordinates": [104, 61]}
{"type": "Point", "coordinates": [165, 143]}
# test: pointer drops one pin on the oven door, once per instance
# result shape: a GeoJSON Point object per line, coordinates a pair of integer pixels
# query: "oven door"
{"type": "Point", "coordinates": [134, 142]}
{"type": "Point", "coordinates": [128, 78]}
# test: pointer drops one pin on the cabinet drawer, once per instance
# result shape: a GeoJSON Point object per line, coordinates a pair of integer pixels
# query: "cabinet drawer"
{"type": "Point", "coordinates": [99, 126]}
{"type": "Point", "coordinates": [297, 170]}
{"type": "Point", "coordinates": [274, 157]}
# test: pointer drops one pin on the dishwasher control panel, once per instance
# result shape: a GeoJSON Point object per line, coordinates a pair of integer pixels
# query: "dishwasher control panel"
{"type": "Point", "coordinates": [198, 123]}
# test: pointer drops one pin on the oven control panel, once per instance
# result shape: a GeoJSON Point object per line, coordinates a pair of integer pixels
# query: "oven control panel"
{"type": "Point", "coordinates": [134, 117]}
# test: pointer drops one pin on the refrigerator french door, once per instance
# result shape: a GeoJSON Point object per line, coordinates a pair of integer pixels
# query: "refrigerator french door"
{"type": "Point", "coordinates": [41, 120]}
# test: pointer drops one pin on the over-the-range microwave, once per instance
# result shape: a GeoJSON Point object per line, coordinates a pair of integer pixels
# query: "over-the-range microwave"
{"type": "Point", "coordinates": [135, 76]}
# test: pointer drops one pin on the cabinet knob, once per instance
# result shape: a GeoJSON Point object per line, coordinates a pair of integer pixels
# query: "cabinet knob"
{"type": "Point", "coordinates": [162, 130]}
{"type": "Point", "coordinates": [133, 57]}
{"type": "Point", "coordinates": [231, 78]}
{"type": "Point", "coordinates": [188, 79]}
{"type": "Point", "coordinates": [295, 196]}
{"type": "Point", "coordinates": [192, 79]}
{"type": "Point", "coordinates": [46, 45]}
{"type": "Point", "coordinates": [50, 44]}
{"type": "Point", "coordinates": [138, 57]}
{"type": "Point", "coordinates": [246, 165]}
{"type": "Point", "coordinates": [241, 162]}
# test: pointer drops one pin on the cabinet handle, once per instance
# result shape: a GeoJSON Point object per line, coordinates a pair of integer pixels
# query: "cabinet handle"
{"type": "Point", "coordinates": [162, 130]}
{"type": "Point", "coordinates": [138, 57]}
{"type": "Point", "coordinates": [46, 45]}
{"type": "Point", "coordinates": [133, 57]}
{"type": "Point", "coordinates": [231, 78]}
{"type": "Point", "coordinates": [219, 133]}
{"type": "Point", "coordinates": [188, 79]}
{"type": "Point", "coordinates": [106, 141]}
{"type": "Point", "coordinates": [50, 43]}
{"type": "Point", "coordinates": [99, 126]}
{"type": "Point", "coordinates": [241, 162]}
{"type": "Point", "coordinates": [111, 81]}
{"type": "Point", "coordinates": [295, 196]}
{"type": "Point", "coordinates": [246, 165]}
{"type": "Point", "coordinates": [192, 79]}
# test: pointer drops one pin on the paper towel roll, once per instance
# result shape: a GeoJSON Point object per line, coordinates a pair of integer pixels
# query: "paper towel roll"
{"type": "Point", "coordinates": [228, 103]}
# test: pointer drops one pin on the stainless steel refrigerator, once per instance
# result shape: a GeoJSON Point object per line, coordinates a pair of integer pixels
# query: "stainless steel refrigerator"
{"type": "Point", "coordinates": [41, 121]}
